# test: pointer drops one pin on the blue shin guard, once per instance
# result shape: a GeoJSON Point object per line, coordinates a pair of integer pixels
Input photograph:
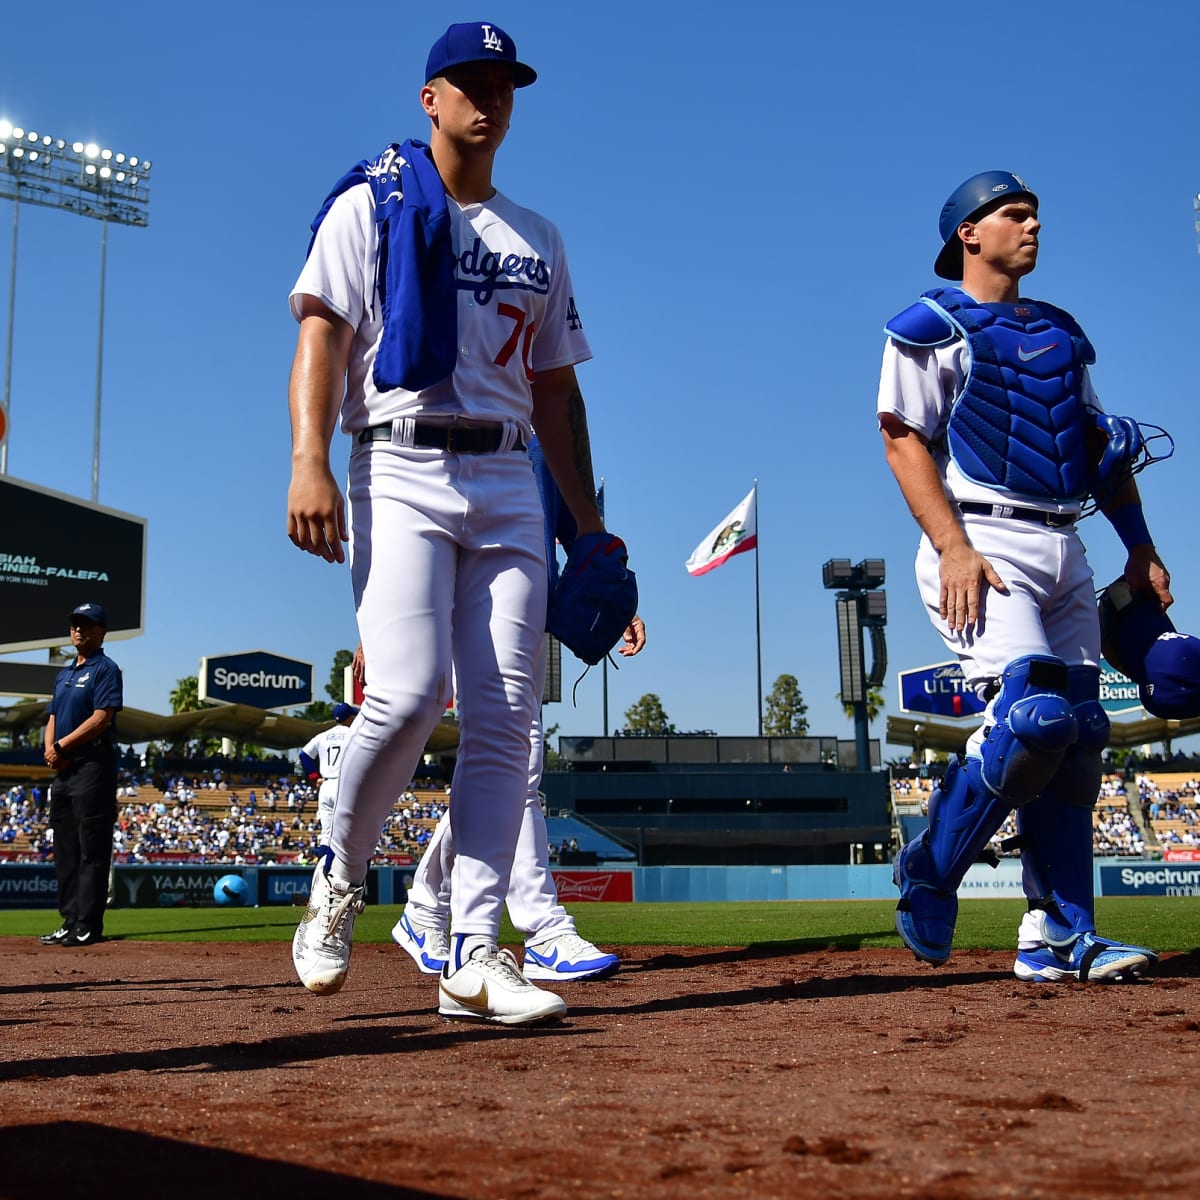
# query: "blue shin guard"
{"type": "Point", "coordinates": [1056, 829]}
{"type": "Point", "coordinates": [1033, 727]}
{"type": "Point", "coordinates": [963, 815]}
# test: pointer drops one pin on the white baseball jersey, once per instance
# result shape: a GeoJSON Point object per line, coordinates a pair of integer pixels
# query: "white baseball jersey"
{"type": "Point", "coordinates": [447, 550]}
{"type": "Point", "coordinates": [325, 749]}
{"type": "Point", "coordinates": [920, 385]}
{"type": "Point", "coordinates": [515, 310]}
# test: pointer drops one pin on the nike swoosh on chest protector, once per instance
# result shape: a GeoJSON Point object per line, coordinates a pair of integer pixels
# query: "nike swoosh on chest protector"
{"type": "Point", "coordinates": [1029, 355]}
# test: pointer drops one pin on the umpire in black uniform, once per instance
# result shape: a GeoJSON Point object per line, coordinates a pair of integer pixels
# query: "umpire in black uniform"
{"type": "Point", "coordinates": [81, 747]}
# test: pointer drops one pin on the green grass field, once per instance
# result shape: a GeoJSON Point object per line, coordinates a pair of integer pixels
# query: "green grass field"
{"type": "Point", "coordinates": [1167, 924]}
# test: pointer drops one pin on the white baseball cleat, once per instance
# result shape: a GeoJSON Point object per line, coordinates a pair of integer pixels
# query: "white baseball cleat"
{"type": "Point", "coordinates": [567, 956]}
{"type": "Point", "coordinates": [489, 986]}
{"type": "Point", "coordinates": [427, 945]}
{"type": "Point", "coordinates": [323, 940]}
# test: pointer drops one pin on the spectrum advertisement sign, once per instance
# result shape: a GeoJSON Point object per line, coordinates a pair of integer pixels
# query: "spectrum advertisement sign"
{"type": "Point", "coordinates": [256, 678]}
{"type": "Point", "coordinates": [1150, 879]}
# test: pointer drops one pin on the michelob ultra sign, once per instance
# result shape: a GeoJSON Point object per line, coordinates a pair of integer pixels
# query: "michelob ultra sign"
{"type": "Point", "coordinates": [940, 690]}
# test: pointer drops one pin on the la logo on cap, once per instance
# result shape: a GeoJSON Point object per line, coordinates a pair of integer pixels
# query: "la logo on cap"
{"type": "Point", "coordinates": [491, 39]}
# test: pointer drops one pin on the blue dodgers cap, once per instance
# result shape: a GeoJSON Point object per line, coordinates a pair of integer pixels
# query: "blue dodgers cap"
{"type": "Point", "coordinates": [91, 612]}
{"type": "Point", "coordinates": [472, 42]}
{"type": "Point", "coordinates": [342, 710]}
{"type": "Point", "coordinates": [1172, 687]}
{"type": "Point", "coordinates": [1141, 641]}
{"type": "Point", "coordinates": [966, 202]}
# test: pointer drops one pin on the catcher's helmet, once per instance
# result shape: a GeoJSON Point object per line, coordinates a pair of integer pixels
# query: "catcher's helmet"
{"type": "Point", "coordinates": [1141, 641]}
{"type": "Point", "coordinates": [966, 202]}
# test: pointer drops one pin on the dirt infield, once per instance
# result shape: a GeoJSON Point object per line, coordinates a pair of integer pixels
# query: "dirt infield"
{"type": "Point", "coordinates": [179, 1070]}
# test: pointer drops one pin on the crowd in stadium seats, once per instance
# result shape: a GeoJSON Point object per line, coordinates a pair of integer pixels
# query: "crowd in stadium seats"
{"type": "Point", "coordinates": [1116, 831]}
{"type": "Point", "coordinates": [23, 818]}
{"type": "Point", "coordinates": [1171, 805]}
{"type": "Point", "coordinates": [202, 819]}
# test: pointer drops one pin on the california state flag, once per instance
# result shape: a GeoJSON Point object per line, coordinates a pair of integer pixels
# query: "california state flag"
{"type": "Point", "coordinates": [736, 534]}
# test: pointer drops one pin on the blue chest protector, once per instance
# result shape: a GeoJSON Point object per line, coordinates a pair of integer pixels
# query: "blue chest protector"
{"type": "Point", "coordinates": [1019, 424]}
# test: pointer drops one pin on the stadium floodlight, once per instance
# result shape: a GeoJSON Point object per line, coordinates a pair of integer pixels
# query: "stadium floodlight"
{"type": "Point", "coordinates": [860, 606]}
{"type": "Point", "coordinates": [78, 178]}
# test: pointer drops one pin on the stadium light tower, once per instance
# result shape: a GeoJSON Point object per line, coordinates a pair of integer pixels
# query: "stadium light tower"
{"type": "Point", "coordinates": [81, 178]}
{"type": "Point", "coordinates": [861, 604]}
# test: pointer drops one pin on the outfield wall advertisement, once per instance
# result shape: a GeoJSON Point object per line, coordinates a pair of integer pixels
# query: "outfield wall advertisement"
{"type": "Point", "coordinates": [32, 885]}
{"type": "Point", "coordinates": [574, 886]}
{"type": "Point", "coordinates": [28, 886]}
{"type": "Point", "coordinates": [1150, 879]}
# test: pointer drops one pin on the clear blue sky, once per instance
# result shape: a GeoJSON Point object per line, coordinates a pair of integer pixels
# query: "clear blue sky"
{"type": "Point", "coordinates": [747, 192]}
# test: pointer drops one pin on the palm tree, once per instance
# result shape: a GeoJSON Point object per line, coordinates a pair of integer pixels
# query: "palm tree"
{"type": "Point", "coordinates": [875, 704]}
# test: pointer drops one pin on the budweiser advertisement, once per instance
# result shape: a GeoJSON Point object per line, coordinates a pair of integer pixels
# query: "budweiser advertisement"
{"type": "Point", "coordinates": [594, 885]}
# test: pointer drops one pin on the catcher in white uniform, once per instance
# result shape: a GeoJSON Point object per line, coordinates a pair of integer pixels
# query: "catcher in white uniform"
{"type": "Point", "coordinates": [438, 316]}
{"type": "Point", "coordinates": [996, 439]}
{"type": "Point", "coordinates": [322, 755]}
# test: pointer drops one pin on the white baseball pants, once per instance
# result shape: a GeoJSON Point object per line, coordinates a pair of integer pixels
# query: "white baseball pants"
{"type": "Point", "coordinates": [449, 574]}
{"type": "Point", "coordinates": [532, 897]}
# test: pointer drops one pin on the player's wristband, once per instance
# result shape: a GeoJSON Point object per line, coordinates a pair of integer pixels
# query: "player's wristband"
{"type": "Point", "coordinates": [1130, 523]}
{"type": "Point", "coordinates": [58, 748]}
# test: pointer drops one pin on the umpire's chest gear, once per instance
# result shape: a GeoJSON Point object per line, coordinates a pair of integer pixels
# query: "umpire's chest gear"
{"type": "Point", "coordinates": [1019, 424]}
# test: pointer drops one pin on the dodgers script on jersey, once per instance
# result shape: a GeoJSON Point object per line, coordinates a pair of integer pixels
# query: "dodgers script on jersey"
{"type": "Point", "coordinates": [516, 310]}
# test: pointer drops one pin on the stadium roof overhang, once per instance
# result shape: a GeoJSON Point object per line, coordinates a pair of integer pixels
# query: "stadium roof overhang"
{"type": "Point", "coordinates": [928, 733]}
{"type": "Point", "coordinates": [239, 722]}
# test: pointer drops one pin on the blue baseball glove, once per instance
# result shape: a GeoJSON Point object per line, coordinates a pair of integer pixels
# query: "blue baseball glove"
{"type": "Point", "coordinates": [595, 598]}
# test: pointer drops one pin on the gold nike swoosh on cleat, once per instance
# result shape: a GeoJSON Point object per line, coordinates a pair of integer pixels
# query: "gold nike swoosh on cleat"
{"type": "Point", "coordinates": [478, 1001]}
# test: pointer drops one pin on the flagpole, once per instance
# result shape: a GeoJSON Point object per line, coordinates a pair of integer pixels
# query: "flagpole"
{"type": "Point", "coordinates": [758, 610]}
{"type": "Point", "coordinates": [604, 676]}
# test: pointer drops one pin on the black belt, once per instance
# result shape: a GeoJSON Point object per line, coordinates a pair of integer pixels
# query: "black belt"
{"type": "Point", "coordinates": [454, 439]}
{"type": "Point", "coordinates": [1051, 520]}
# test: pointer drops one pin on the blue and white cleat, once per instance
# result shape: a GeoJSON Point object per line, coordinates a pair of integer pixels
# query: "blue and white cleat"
{"type": "Point", "coordinates": [428, 946]}
{"type": "Point", "coordinates": [1045, 956]}
{"type": "Point", "coordinates": [926, 915]}
{"type": "Point", "coordinates": [568, 956]}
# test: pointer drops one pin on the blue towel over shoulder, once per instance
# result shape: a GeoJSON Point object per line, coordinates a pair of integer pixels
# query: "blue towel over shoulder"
{"type": "Point", "coordinates": [415, 277]}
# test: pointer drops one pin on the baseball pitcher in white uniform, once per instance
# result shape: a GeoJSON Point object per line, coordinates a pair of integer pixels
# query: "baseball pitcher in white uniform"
{"type": "Point", "coordinates": [321, 755]}
{"type": "Point", "coordinates": [438, 318]}
{"type": "Point", "coordinates": [554, 949]}
{"type": "Point", "coordinates": [996, 438]}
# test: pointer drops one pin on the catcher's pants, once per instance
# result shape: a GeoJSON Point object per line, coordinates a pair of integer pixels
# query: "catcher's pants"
{"type": "Point", "coordinates": [1050, 607]}
{"type": "Point", "coordinates": [448, 565]}
{"type": "Point", "coordinates": [532, 897]}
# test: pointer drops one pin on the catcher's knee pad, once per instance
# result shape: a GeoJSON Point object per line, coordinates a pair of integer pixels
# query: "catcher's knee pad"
{"type": "Point", "coordinates": [1035, 724]}
{"type": "Point", "coordinates": [963, 814]}
{"type": "Point", "coordinates": [1077, 780]}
